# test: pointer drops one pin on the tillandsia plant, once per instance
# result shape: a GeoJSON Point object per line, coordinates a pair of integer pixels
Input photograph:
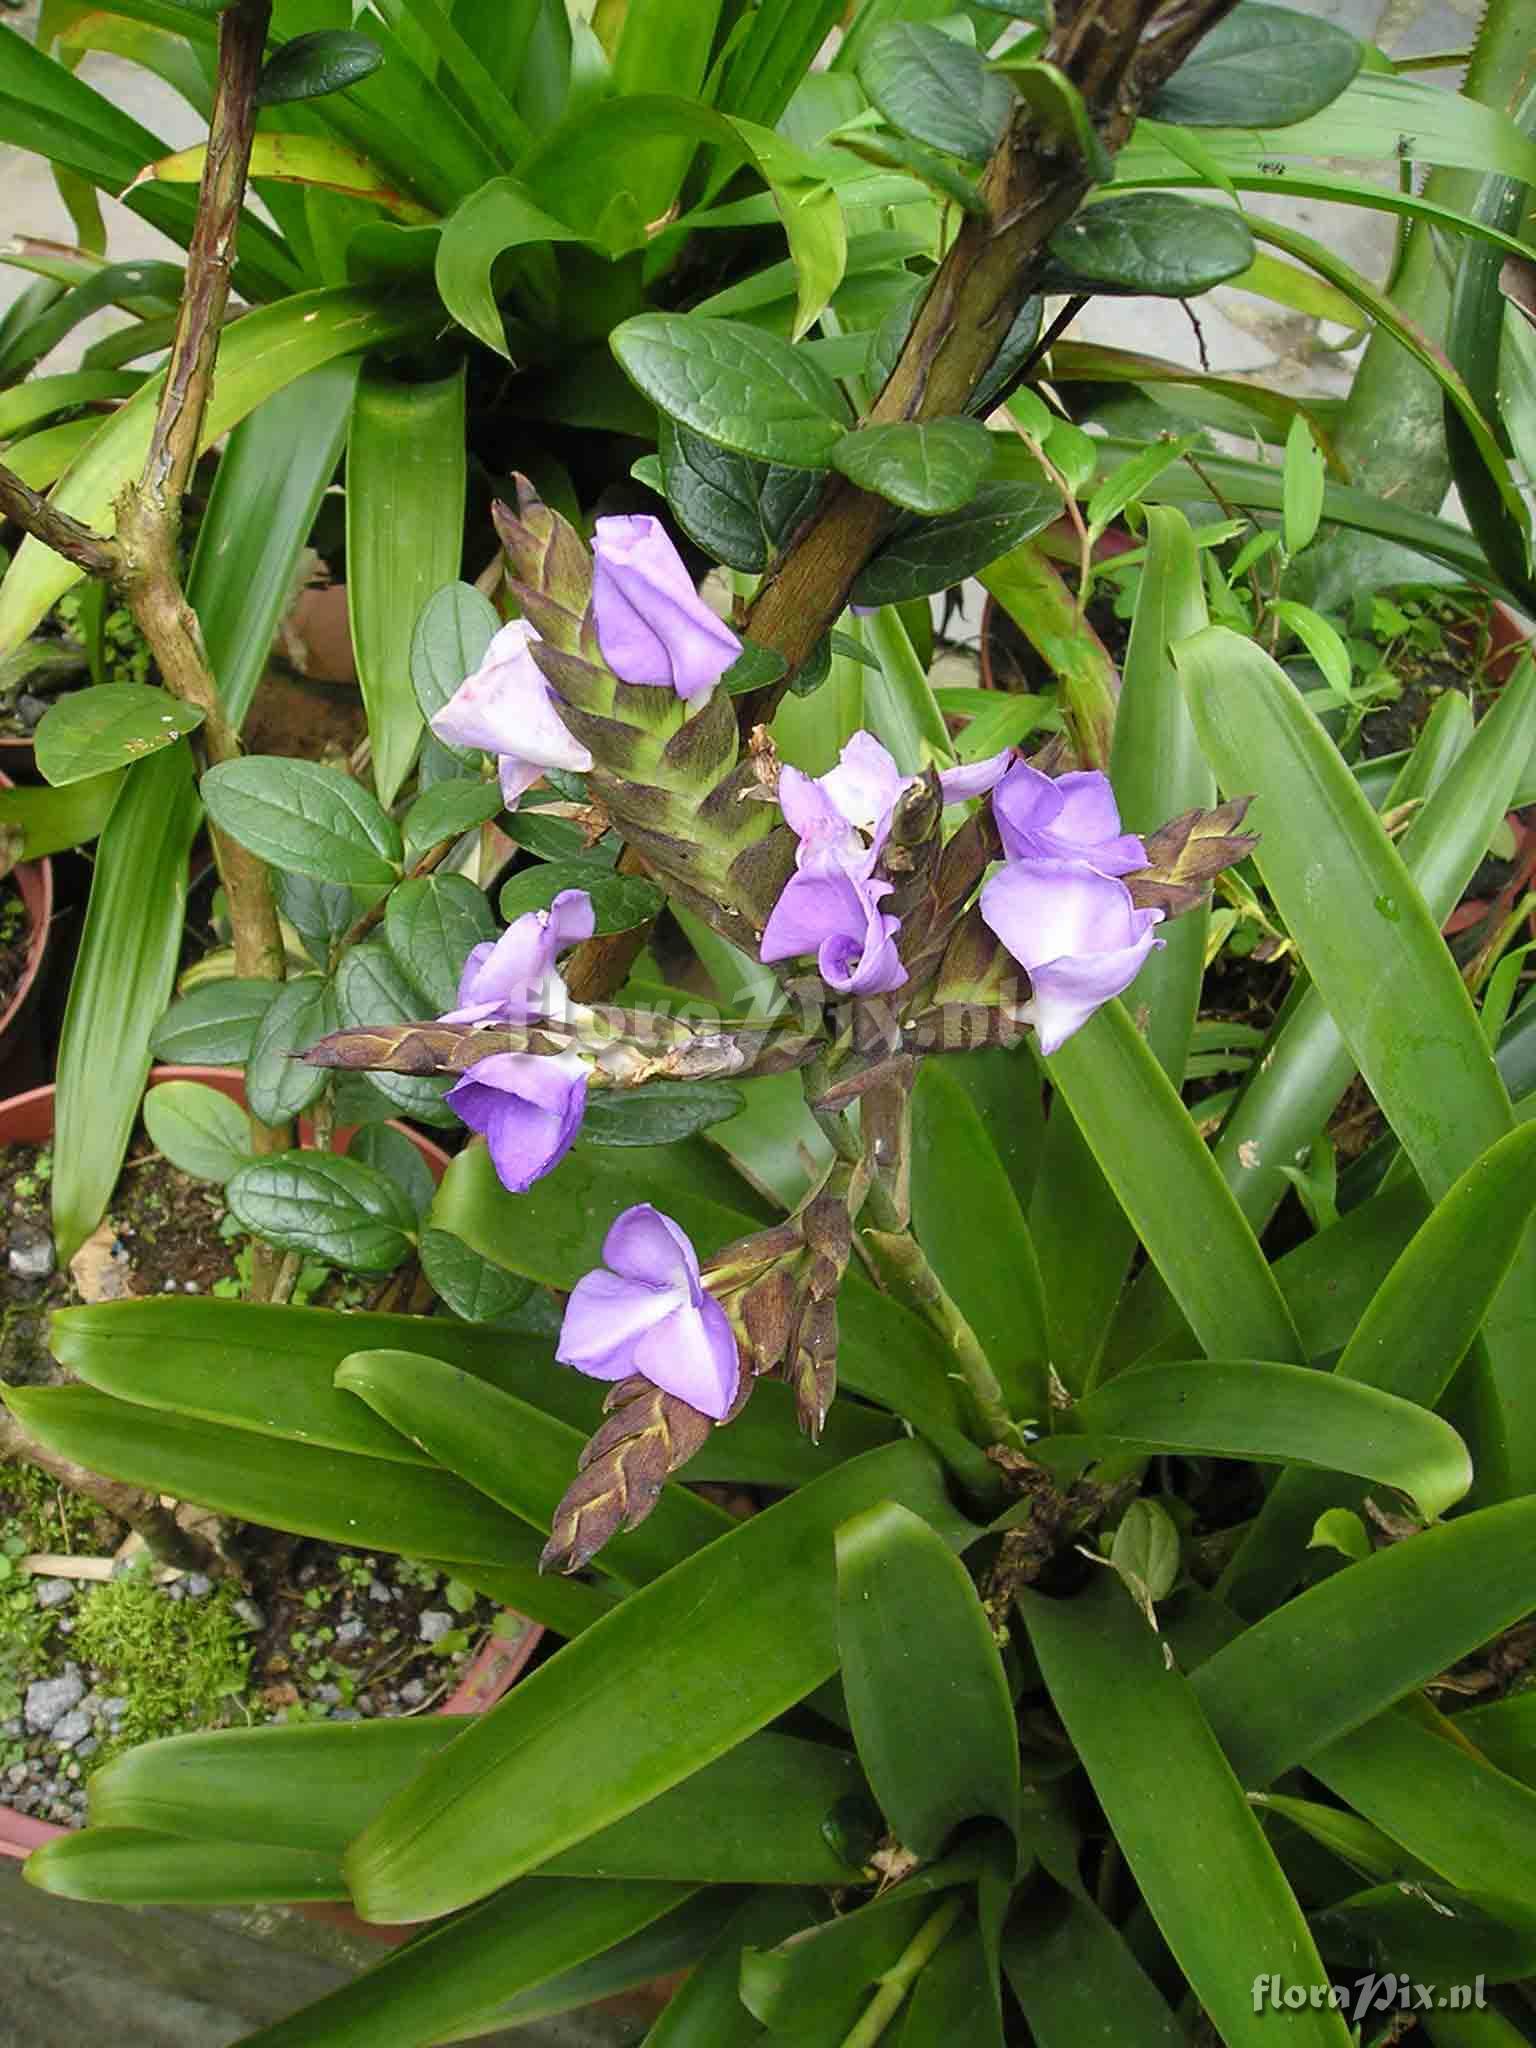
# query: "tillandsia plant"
{"type": "Point", "coordinates": [1010, 1585]}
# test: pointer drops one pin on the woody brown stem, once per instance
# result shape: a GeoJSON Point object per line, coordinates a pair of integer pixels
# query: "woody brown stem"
{"type": "Point", "coordinates": [163, 1535]}
{"type": "Point", "coordinates": [1115, 52]}
{"type": "Point", "coordinates": [31, 511]}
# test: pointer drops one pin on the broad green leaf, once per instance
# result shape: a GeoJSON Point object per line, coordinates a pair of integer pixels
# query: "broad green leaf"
{"type": "Point", "coordinates": [1417, 1328]}
{"type": "Point", "coordinates": [773, 57]}
{"type": "Point", "coordinates": [264, 351]}
{"type": "Point", "coordinates": [956, 1997]}
{"type": "Point", "coordinates": [1126, 485]}
{"type": "Point", "coordinates": [1170, 1189]}
{"type": "Point", "coordinates": [468, 1284]}
{"type": "Point", "coordinates": [935, 89]}
{"type": "Point", "coordinates": [405, 534]}
{"type": "Point", "coordinates": [663, 1950]}
{"type": "Point", "coordinates": [1261, 67]}
{"type": "Point", "coordinates": [308, 67]}
{"type": "Point", "coordinates": [1471, 1823]}
{"type": "Point", "coordinates": [277, 1085]}
{"type": "Point", "coordinates": [51, 820]}
{"type": "Point", "coordinates": [930, 1706]}
{"type": "Point", "coordinates": [620, 902]}
{"type": "Point", "coordinates": [275, 468]}
{"type": "Point", "coordinates": [455, 627]}
{"type": "Point", "coordinates": [659, 1113]}
{"type": "Point", "coordinates": [197, 1128]}
{"type": "Point", "coordinates": [127, 1867]}
{"type": "Point", "coordinates": [27, 405]}
{"type": "Point", "coordinates": [1437, 1085]}
{"type": "Point", "coordinates": [122, 980]}
{"type": "Point", "coordinates": [735, 385]}
{"type": "Point", "coordinates": [931, 554]}
{"type": "Point", "coordinates": [522, 1459]}
{"type": "Point", "coordinates": [387, 1149]}
{"type": "Point", "coordinates": [445, 812]}
{"type": "Point", "coordinates": [649, 1691]}
{"type": "Point", "coordinates": [1305, 475]}
{"type": "Point", "coordinates": [663, 47]}
{"type": "Point", "coordinates": [1445, 1939]}
{"type": "Point", "coordinates": [372, 1503]}
{"type": "Point", "coordinates": [499, 217]}
{"type": "Point", "coordinates": [430, 926]}
{"type": "Point", "coordinates": [92, 731]}
{"type": "Point", "coordinates": [1149, 243]}
{"type": "Point", "coordinates": [213, 1024]}
{"type": "Point", "coordinates": [739, 511]}
{"type": "Point", "coordinates": [453, 1976]}
{"type": "Point", "coordinates": [1178, 1814]}
{"type": "Point", "coordinates": [329, 1208]}
{"type": "Point", "coordinates": [1323, 642]}
{"type": "Point", "coordinates": [1365, 1637]}
{"type": "Point", "coordinates": [134, 286]}
{"type": "Point", "coordinates": [968, 1220]}
{"type": "Point", "coordinates": [1068, 1966]}
{"type": "Point", "coordinates": [932, 466]}
{"type": "Point", "coordinates": [1277, 1414]}
{"type": "Point", "coordinates": [306, 816]}
{"type": "Point", "coordinates": [1505, 1733]}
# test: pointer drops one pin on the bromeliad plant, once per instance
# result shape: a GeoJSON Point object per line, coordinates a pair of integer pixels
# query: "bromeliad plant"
{"type": "Point", "coordinates": [1003, 1586]}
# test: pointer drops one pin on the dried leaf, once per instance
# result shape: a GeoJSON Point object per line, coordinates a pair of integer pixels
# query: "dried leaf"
{"type": "Point", "coordinates": [1185, 855]}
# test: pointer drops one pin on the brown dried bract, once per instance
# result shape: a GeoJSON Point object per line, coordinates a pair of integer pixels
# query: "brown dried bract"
{"type": "Point", "coordinates": [647, 1435]}
{"type": "Point", "coordinates": [1185, 856]}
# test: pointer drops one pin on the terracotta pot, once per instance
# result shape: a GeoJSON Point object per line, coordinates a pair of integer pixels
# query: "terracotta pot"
{"type": "Point", "coordinates": [34, 878]}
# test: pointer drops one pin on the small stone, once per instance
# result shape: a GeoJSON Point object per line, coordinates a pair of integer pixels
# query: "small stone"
{"type": "Point", "coordinates": [175, 1589]}
{"type": "Point", "coordinates": [328, 1695]}
{"type": "Point", "coordinates": [247, 1611]}
{"type": "Point", "coordinates": [31, 1252]}
{"type": "Point", "coordinates": [53, 1592]}
{"type": "Point", "coordinates": [17, 1774]}
{"type": "Point", "coordinates": [412, 1693]}
{"type": "Point", "coordinates": [114, 1709]}
{"type": "Point", "coordinates": [351, 1631]}
{"type": "Point", "coordinates": [50, 1699]}
{"type": "Point", "coordinates": [189, 1287]}
{"type": "Point", "coordinates": [30, 710]}
{"type": "Point", "coordinates": [377, 1590]}
{"type": "Point", "coordinates": [66, 1626]}
{"type": "Point", "coordinates": [167, 1286]}
{"type": "Point", "coordinates": [434, 1624]}
{"type": "Point", "coordinates": [70, 1729]}
{"type": "Point", "coordinates": [198, 1585]}
{"type": "Point", "coordinates": [87, 1748]}
{"type": "Point", "coordinates": [72, 1772]}
{"type": "Point", "coordinates": [346, 1714]}
{"type": "Point", "coordinates": [12, 1730]}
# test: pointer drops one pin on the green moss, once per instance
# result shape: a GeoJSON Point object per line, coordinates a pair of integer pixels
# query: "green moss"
{"type": "Point", "coordinates": [176, 1662]}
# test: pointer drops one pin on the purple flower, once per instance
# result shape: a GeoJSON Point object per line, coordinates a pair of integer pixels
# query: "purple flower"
{"type": "Point", "coordinates": [505, 708]}
{"type": "Point", "coordinates": [646, 1312]}
{"type": "Point", "coordinates": [514, 978]}
{"type": "Point", "coordinates": [1076, 932]}
{"type": "Point", "coordinates": [1070, 817]}
{"type": "Point", "coordinates": [835, 914]}
{"type": "Point", "coordinates": [527, 1106]}
{"type": "Point", "coordinates": [652, 625]}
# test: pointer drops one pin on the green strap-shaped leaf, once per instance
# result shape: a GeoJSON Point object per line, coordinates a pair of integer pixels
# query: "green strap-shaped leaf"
{"type": "Point", "coordinates": [1409, 1342]}
{"type": "Point", "coordinates": [1068, 1966]}
{"type": "Point", "coordinates": [1179, 1815]}
{"type": "Point", "coordinates": [1437, 1083]}
{"type": "Point", "coordinates": [405, 533]}
{"type": "Point", "coordinates": [1360, 1640]}
{"type": "Point", "coordinates": [1472, 1824]}
{"type": "Point", "coordinates": [499, 217]}
{"type": "Point", "coordinates": [969, 1222]}
{"type": "Point", "coordinates": [1277, 1414]}
{"type": "Point", "coordinates": [650, 1691]}
{"type": "Point", "coordinates": [930, 1707]}
{"type": "Point", "coordinates": [706, 2011]}
{"type": "Point", "coordinates": [453, 1976]}
{"type": "Point", "coordinates": [122, 981]}
{"type": "Point", "coordinates": [520, 1458]}
{"type": "Point", "coordinates": [272, 474]}
{"type": "Point", "coordinates": [261, 353]}
{"type": "Point", "coordinates": [128, 1867]}
{"type": "Point", "coordinates": [1170, 1189]}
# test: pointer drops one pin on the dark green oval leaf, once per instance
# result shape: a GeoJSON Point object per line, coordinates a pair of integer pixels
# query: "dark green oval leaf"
{"type": "Point", "coordinates": [213, 1025]}
{"type": "Point", "coordinates": [932, 554]}
{"type": "Point", "coordinates": [278, 1086]}
{"type": "Point", "coordinates": [197, 1128]}
{"type": "Point", "coordinates": [620, 902]}
{"type": "Point", "coordinates": [1158, 244]}
{"type": "Point", "coordinates": [926, 466]}
{"type": "Point", "coordinates": [657, 1114]}
{"type": "Point", "coordinates": [447, 810]}
{"type": "Point", "coordinates": [306, 816]}
{"type": "Point", "coordinates": [430, 926]}
{"type": "Point", "coordinates": [310, 66]}
{"type": "Point", "coordinates": [370, 989]}
{"type": "Point", "coordinates": [739, 511]}
{"type": "Point", "coordinates": [936, 89]}
{"type": "Point", "coordinates": [334, 1209]}
{"type": "Point", "coordinates": [471, 1286]}
{"type": "Point", "coordinates": [92, 731]}
{"type": "Point", "coordinates": [1263, 67]}
{"type": "Point", "coordinates": [388, 1150]}
{"type": "Point", "coordinates": [735, 384]}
